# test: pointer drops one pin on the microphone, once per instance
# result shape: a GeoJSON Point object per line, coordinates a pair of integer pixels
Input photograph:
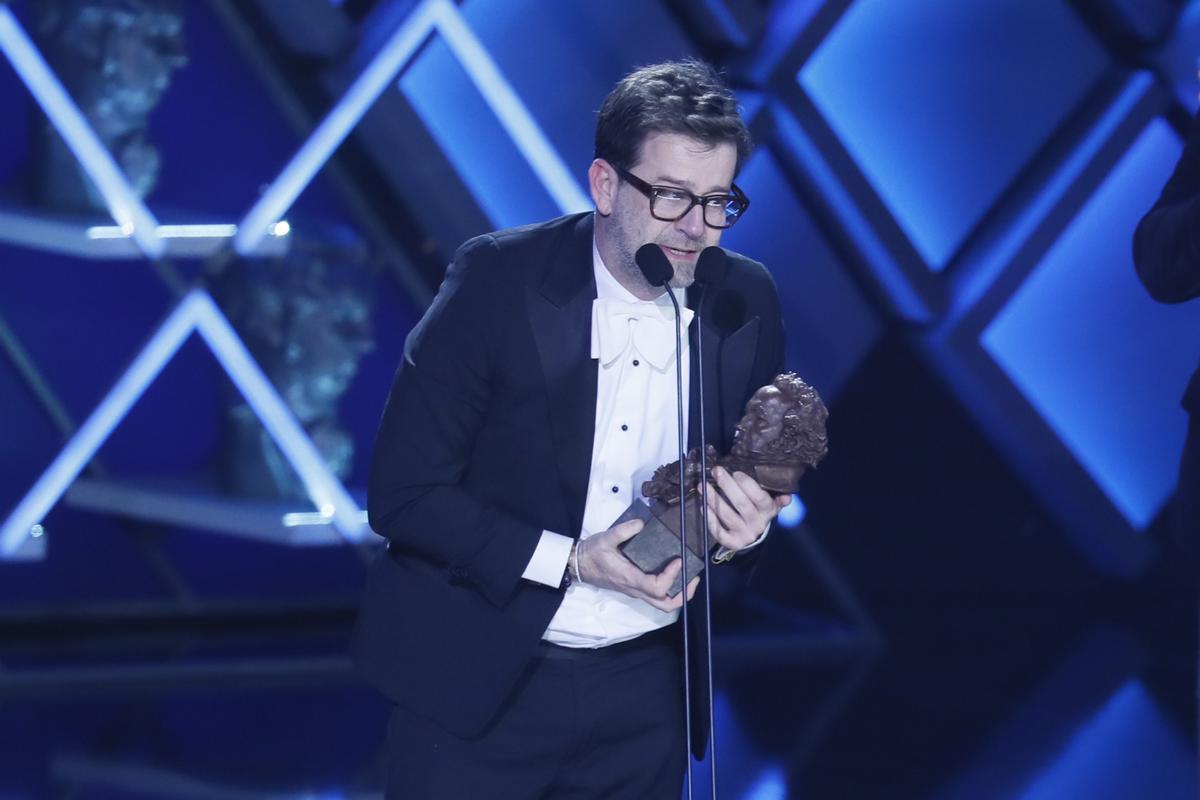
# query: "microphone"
{"type": "Point", "coordinates": [711, 267]}
{"type": "Point", "coordinates": [654, 264]}
{"type": "Point", "coordinates": [657, 270]}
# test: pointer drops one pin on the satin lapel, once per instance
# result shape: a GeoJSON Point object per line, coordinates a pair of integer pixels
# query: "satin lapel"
{"type": "Point", "coordinates": [728, 360]}
{"type": "Point", "coordinates": [560, 313]}
{"type": "Point", "coordinates": [736, 361]}
{"type": "Point", "coordinates": [703, 334]}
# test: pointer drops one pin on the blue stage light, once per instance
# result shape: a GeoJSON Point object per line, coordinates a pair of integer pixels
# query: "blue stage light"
{"type": "Point", "coordinates": [1127, 749]}
{"type": "Point", "coordinates": [199, 231]}
{"type": "Point", "coordinates": [1088, 348]}
{"type": "Point", "coordinates": [914, 92]}
{"type": "Point", "coordinates": [770, 785]}
{"type": "Point", "coordinates": [976, 278]}
{"type": "Point", "coordinates": [833, 192]}
{"type": "Point", "coordinates": [509, 109]}
{"type": "Point", "coordinates": [794, 513]}
{"type": "Point", "coordinates": [443, 17]}
{"type": "Point", "coordinates": [338, 123]}
{"type": "Point", "coordinates": [196, 312]}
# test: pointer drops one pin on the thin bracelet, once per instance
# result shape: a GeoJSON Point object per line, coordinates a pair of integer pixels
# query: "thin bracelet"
{"type": "Point", "coordinates": [575, 558]}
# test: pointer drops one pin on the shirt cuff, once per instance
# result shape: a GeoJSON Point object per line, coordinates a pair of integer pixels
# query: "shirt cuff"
{"type": "Point", "coordinates": [723, 553]}
{"type": "Point", "coordinates": [549, 559]}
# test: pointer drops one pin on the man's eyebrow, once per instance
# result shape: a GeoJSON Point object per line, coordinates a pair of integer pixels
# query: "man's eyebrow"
{"type": "Point", "coordinates": [669, 180]}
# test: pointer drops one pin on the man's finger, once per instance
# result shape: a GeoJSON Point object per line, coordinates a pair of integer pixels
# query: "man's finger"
{"type": "Point", "coordinates": [669, 605]}
{"type": "Point", "coordinates": [730, 486]}
{"type": "Point", "coordinates": [736, 489]}
{"type": "Point", "coordinates": [627, 530]}
{"type": "Point", "coordinates": [725, 514]}
{"type": "Point", "coordinates": [783, 501]}
{"type": "Point", "coordinates": [733, 490]}
{"type": "Point", "coordinates": [673, 603]}
{"type": "Point", "coordinates": [744, 494]}
{"type": "Point", "coordinates": [715, 527]}
{"type": "Point", "coordinates": [756, 495]}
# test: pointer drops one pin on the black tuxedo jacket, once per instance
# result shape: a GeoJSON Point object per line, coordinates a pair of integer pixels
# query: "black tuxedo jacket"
{"type": "Point", "coordinates": [486, 440]}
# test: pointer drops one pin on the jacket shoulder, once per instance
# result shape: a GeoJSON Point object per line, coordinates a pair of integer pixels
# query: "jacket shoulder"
{"type": "Point", "coordinates": [751, 278]}
{"type": "Point", "coordinates": [524, 250]}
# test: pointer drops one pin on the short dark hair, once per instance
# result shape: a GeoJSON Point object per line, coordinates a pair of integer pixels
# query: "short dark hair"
{"type": "Point", "coordinates": [686, 97]}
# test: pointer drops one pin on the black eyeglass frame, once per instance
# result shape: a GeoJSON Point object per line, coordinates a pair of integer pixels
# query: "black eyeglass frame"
{"type": "Point", "coordinates": [651, 192]}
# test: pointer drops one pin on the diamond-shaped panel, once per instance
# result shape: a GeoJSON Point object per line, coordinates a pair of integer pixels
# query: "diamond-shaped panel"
{"type": "Point", "coordinates": [942, 104]}
{"type": "Point", "coordinates": [830, 326]}
{"type": "Point", "coordinates": [1101, 362]}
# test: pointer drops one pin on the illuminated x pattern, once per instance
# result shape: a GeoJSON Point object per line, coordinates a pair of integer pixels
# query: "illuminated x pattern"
{"type": "Point", "coordinates": [197, 312]}
{"type": "Point", "coordinates": [443, 17]}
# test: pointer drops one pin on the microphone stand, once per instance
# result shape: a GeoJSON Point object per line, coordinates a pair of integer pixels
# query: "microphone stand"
{"type": "Point", "coordinates": [687, 678]}
{"type": "Point", "coordinates": [710, 269]}
{"type": "Point", "coordinates": [657, 269]}
{"type": "Point", "coordinates": [712, 727]}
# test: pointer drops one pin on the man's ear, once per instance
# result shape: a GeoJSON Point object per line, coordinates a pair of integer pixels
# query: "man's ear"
{"type": "Point", "coordinates": [602, 181]}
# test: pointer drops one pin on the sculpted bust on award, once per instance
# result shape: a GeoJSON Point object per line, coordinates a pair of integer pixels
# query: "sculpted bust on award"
{"type": "Point", "coordinates": [781, 434]}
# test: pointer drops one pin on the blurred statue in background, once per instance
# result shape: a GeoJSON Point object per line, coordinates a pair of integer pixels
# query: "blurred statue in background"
{"type": "Point", "coordinates": [306, 319]}
{"type": "Point", "coordinates": [116, 59]}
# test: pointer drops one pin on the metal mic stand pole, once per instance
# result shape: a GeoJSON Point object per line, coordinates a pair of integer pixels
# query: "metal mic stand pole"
{"type": "Point", "coordinates": [687, 680]}
{"type": "Point", "coordinates": [712, 728]}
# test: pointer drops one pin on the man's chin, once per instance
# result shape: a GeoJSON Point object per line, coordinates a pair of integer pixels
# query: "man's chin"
{"type": "Point", "coordinates": [684, 275]}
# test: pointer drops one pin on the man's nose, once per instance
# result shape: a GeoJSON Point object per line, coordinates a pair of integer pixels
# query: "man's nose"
{"type": "Point", "coordinates": [692, 223]}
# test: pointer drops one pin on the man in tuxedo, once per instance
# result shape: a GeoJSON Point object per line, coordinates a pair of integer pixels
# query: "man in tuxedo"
{"type": "Point", "coordinates": [525, 655]}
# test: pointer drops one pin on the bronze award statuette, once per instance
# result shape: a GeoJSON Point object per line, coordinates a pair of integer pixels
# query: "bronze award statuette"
{"type": "Point", "coordinates": [781, 434]}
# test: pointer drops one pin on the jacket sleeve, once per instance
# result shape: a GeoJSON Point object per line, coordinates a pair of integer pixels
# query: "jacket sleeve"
{"type": "Point", "coordinates": [438, 404]}
{"type": "Point", "coordinates": [1166, 245]}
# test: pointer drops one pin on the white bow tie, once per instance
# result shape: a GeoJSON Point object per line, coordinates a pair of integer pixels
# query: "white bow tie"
{"type": "Point", "coordinates": [648, 328]}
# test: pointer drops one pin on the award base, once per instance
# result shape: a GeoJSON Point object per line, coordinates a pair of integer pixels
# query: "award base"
{"type": "Point", "coordinates": [658, 543]}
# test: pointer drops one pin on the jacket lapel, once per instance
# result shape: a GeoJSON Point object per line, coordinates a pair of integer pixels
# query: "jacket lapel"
{"type": "Point", "coordinates": [728, 359]}
{"type": "Point", "coordinates": [702, 334]}
{"type": "Point", "coordinates": [560, 313]}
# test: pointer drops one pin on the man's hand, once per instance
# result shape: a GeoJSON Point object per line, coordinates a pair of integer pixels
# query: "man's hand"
{"type": "Point", "coordinates": [738, 522]}
{"type": "Point", "coordinates": [602, 564]}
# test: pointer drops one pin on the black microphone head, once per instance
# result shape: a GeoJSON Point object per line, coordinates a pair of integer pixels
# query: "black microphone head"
{"type": "Point", "coordinates": [711, 266]}
{"type": "Point", "coordinates": [654, 264]}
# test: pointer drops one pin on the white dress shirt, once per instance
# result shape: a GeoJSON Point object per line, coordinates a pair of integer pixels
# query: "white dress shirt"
{"type": "Point", "coordinates": [636, 431]}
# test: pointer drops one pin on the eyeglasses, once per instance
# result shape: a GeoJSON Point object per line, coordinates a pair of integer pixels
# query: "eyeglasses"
{"type": "Point", "coordinates": [670, 203]}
